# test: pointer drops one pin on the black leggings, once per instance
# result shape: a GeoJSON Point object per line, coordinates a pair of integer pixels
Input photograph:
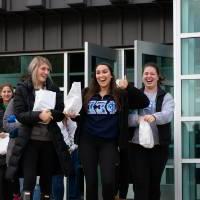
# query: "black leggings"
{"type": "Point", "coordinates": [147, 166]}
{"type": "Point", "coordinates": [39, 158]}
{"type": "Point", "coordinates": [7, 188]}
{"type": "Point", "coordinates": [93, 152]}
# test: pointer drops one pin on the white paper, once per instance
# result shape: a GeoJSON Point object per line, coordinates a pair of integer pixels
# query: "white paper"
{"type": "Point", "coordinates": [4, 144]}
{"type": "Point", "coordinates": [68, 132]}
{"type": "Point", "coordinates": [145, 135]}
{"type": "Point", "coordinates": [44, 100]}
{"type": "Point", "coordinates": [73, 101]}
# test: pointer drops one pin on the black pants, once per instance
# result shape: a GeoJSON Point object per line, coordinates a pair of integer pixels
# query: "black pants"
{"type": "Point", "coordinates": [39, 158]}
{"type": "Point", "coordinates": [93, 152]}
{"type": "Point", "coordinates": [147, 166]}
{"type": "Point", "coordinates": [123, 174]}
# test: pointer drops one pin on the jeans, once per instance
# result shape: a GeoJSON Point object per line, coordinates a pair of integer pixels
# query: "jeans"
{"type": "Point", "coordinates": [58, 187]}
{"type": "Point", "coordinates": [73, 181]}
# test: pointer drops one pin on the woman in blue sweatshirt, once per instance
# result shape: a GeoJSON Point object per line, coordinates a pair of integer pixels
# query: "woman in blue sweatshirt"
{"type": "Point", "coordinates": [103, 127]}
{"type": "Point", "coordinates": [147, 165]}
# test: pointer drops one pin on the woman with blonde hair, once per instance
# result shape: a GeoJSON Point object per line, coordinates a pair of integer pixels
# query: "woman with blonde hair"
{"type": "Point", "coordinates": [40, 147]}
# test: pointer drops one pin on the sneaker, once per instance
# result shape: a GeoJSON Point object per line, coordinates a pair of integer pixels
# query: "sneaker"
{"type": "Point", "coordinates": [16, 197]}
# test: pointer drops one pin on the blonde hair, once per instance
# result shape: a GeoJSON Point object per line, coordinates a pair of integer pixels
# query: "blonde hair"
{"type": "Point", "coordinates": [33, 67]}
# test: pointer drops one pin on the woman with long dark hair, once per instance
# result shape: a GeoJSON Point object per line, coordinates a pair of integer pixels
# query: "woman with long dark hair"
{"type": "Point", "coordinates": [103, 127]}
{"type": "Point", "coordinates": [147, 164]}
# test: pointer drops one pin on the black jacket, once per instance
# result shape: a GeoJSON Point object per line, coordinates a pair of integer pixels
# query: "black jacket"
{"type": "Point", "coordinates": [23, 105]}
{"type": "Point", "coordinates": [130, 98]}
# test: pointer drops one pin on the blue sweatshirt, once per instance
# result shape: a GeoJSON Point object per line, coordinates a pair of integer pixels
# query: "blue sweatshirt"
{"type": "Point", "coordinates": [102, 118]}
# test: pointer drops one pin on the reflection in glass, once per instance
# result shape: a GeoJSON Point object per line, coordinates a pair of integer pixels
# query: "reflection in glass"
{"type": "Point", "coordinates": [190, 56]}
{"type": "Point", "coordinates": [129, 64]}
{"type": "Point", "coordinates": [191, 181]}
{"type": "Point", "coordinates": [76, 62]}
{"type": "Point", "coordinates": [190, 97]}
{"type": "Point", "coordinates": [190, 139]}
{"type": "Point", "coordinates": [190, 18]}
{"type": "Point", "coordinates": [10, 65]}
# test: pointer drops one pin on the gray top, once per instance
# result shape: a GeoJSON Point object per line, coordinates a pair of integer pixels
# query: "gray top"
{"type": "Point", "coordinates": [162, 117]}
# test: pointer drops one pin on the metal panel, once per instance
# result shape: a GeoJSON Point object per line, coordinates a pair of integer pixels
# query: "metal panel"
{"type": "Point", "coordinates": [111, 27]}
{"type": "Point", "coordinates": [2, 34]}
{"type": "Point", "coordinates": [131, 25]}
{"type": "Point", "coordinates": [14, 33]}
{"type": "Point", "coordinates": [100, 2]}
{"type": "Point", "coordinates": [33, 32]}
{"type": "Point", "coordinates": [151, 24]}
{"type": "Point", "coordinates": [17, 5]}
{"type": "Point", "coordinates": [58, 4]}
{"type": "Point", "coordinates": [92, 27]}
{"type": "Point", "coordinates": [72, 30]}
{"type": "Point", "coordinates": [168, 24]}
{"type": "Point", "coordinates": [71, 2]}
{"type": "Point", "coordinates": [35, 3]}
{"type": "Point", "coordinates": [2, 4]}
{"type": "Point", "coordinates": [52, 32]}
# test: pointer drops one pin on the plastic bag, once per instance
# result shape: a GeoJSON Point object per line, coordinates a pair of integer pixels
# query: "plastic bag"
{"type": "Point", "coordinates": [145, 135]}
{"type": "Point", "coordinates": [44, 100]}
{"type": "Point", "coordinates": [73, 101]}
{"type": "Point", "coordinates": [4, 144]}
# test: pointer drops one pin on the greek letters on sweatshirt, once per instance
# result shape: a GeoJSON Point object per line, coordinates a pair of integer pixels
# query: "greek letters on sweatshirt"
{"type": "Point", "coordinates": [102, 117]}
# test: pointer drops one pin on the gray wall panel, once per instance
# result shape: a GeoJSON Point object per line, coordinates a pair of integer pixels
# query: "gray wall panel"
{"type": "Point", "coordinates": [131, 26]}
{"type": "Point", "coordinates": [92, 26]}
{"type": "Point", "coordinates": [72, 30]}
{"type": "Point", "coordinates": [33, 32]}
{"type": "Point", "coordinates": [17, 5]}
{"type": "Point", "coordinates": [151, 25]}
{"type": "Point", "coordinates": [111, 27]}
{"type": "Point", "coordinates": [52, 32]}
{"type": "Point", "coordinates": [99, 2]}
{"type": "Point", "coordinates": [58, 4]}
{"type": "Point", "coordinates": [2, 34]}
{"type": "Point", "coordinates": [168, 25]}
{"type": "Point", "coordinates": [15, 33]}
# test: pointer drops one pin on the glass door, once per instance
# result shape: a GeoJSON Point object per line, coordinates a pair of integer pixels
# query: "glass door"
{"type": "Point", "coordinates": [162, 55]}
{"type": "Point", "coordinates": [95, 54]}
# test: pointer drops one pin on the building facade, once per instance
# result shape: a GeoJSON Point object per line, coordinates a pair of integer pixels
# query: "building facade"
{"type": "Point", "coordinates": [77, 34]}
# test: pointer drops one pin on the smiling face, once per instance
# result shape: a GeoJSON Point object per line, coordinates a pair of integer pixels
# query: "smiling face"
{"type": "Point", "coordinates": [103, 76]}
{"type": "Point", "coordinates": [6, 94]}
{"type": "Point", "coordinates": [42, 73]}
{"type": "Point", "coordinates": [150, 78]}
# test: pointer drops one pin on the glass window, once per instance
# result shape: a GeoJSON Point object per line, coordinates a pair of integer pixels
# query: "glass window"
{"type": "Point", "coordinates": [76, 62]}
{"type": "Point", "coordinates": [190, 139]}
{"type": "Point", "coordinates": [129, 65]}
{"type": "Point", "coordinates": [191, 181]}
{"type": "Point", "coordinates": [12, 68]}
{"type": "Point", "coordinates": [190, 98]}
{"type": "Point", "coordinates": [190, 15]}
{"type": "Point", "coordinates": [190, 56]}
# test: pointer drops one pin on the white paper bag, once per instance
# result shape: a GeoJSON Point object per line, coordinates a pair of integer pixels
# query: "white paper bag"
{"type": "Point", "coordinates": [145, 135]}
{"type": "Point", "coordinates": [68, 131]}
{"type": "Point", "coordinates": [4, 144]}
{"type": "Point", "coordinates": [44, 100]}
{"type": "Point", "coordinates": [73, 101]}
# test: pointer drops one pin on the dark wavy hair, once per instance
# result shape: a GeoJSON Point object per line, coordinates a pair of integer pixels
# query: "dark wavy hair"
{"type": "Point", "coordinates": [155, 66]}
{"type": "Point", "coordinates": [94, 88]}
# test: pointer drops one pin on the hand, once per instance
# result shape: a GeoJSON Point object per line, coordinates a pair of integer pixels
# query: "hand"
{"type": "Point", "coordinates": [3, 135]}
{"type": "Point", "coordinates": [122, 83]}
{"type": "Point", "coordinates": [70, 115]}
{"type": "Point", "coordinates": [46, 116]}
{"type": "Point", "coordinates": [149, 118]}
